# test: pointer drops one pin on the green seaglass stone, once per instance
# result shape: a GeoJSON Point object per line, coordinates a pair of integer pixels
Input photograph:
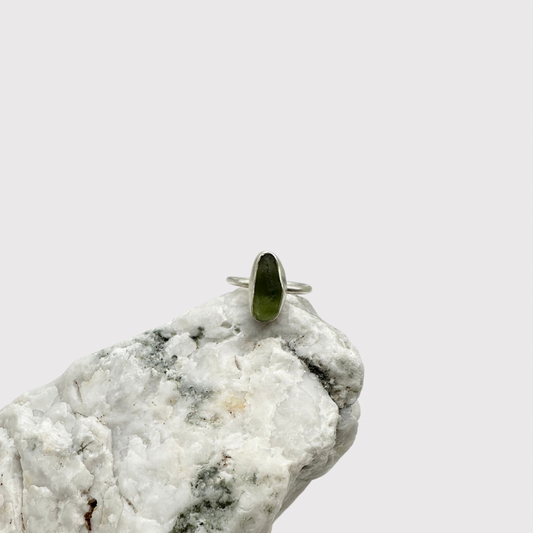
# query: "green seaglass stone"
{"type": "Point", "coordinates": [268, 289]}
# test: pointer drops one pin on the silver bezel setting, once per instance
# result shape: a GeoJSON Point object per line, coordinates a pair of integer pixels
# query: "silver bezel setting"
{"type": "Point", "coordinates": [251, 284]}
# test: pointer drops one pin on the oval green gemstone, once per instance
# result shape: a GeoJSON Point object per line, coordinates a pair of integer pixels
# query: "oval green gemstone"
{"type": "Point", "coordinates": [268, 289]}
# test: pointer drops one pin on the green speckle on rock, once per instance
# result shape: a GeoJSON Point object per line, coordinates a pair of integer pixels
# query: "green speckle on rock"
{"type": "Point", "coordinates": [268, 289]}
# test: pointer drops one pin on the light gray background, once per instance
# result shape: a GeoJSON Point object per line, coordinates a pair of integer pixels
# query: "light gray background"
{"type": "Point", "coordinates": [382, 149]}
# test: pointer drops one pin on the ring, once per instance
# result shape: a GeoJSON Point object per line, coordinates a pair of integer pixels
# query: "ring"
{"type": "Point", "coordinates": [268, 287]}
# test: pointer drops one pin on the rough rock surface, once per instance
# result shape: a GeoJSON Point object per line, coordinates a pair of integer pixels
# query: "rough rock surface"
{"type": "Point", "coordinates": [213, 422]}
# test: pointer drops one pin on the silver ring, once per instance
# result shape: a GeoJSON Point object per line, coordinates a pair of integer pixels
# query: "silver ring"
{"type": "Point", "coordinates": [268, 287]}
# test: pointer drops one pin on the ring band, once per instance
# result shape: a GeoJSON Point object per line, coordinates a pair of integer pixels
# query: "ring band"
{"type": "Point", "coordinates": [268, 287]}
{"type": "Point", "coordinates": [293, 287]}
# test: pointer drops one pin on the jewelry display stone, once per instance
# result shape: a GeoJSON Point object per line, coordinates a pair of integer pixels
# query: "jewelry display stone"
{"type": "Point", "coordinates": [212, 422]}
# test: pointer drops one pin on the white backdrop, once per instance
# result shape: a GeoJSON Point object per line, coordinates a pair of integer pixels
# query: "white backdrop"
{"type": "Point", "coordinates": [383, 150]}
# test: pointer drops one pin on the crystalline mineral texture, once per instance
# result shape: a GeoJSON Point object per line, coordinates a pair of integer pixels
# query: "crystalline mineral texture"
{"type": "Point", "coordinates": [213, 422]}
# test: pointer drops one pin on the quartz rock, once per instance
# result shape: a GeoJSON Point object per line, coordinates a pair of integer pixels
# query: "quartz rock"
{"type": "Point", "coordinates": [213, 422]}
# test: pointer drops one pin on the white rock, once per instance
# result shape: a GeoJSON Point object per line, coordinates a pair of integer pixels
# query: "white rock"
{"type": "Point", "coordinates": [213, 422]}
